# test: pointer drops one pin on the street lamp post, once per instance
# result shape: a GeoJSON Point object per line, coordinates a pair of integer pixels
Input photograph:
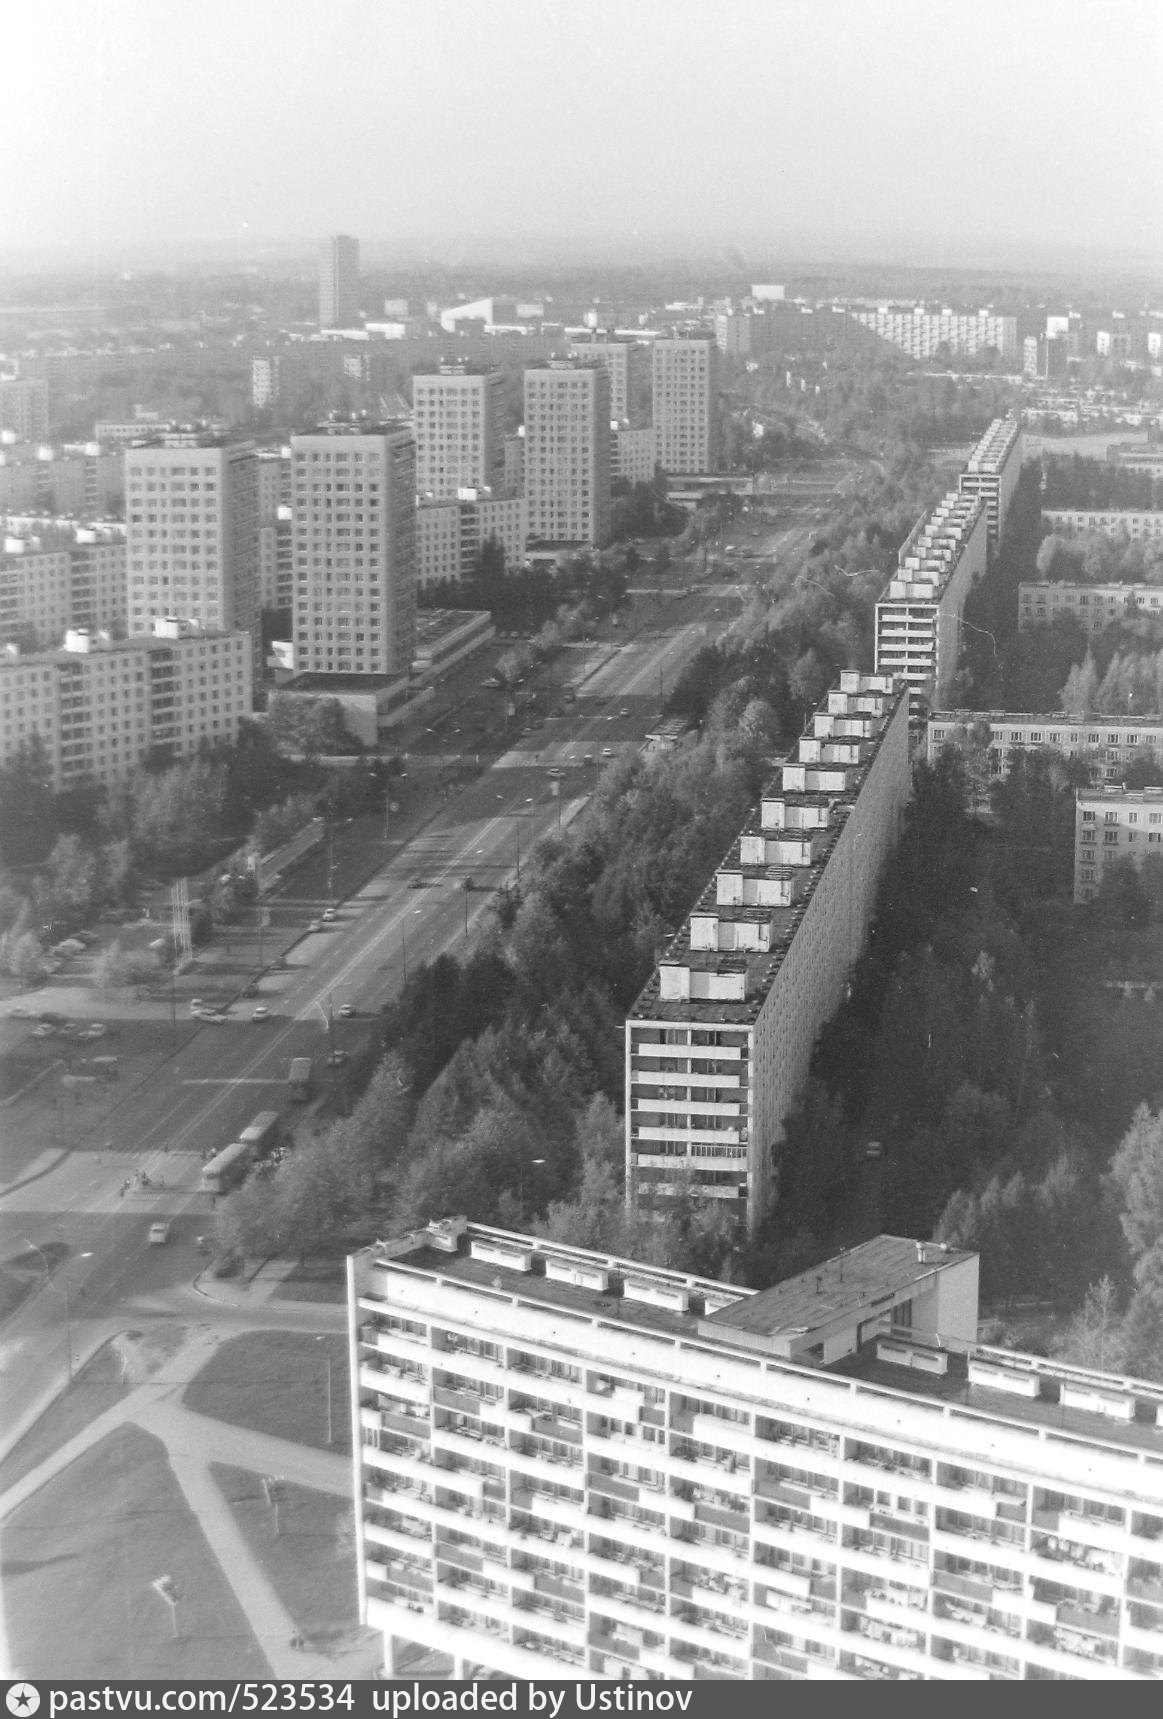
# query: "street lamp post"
{"type": "Point", "coordinates": [62, 1289]}
{"type": "Point", "coordinates": [330, 1416]}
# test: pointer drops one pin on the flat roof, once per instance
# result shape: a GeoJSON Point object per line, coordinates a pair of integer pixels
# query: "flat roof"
{"type": "Point", "coordinates": [875, 1272]}
{"type": "Point", "coordinates": [768, 1312]}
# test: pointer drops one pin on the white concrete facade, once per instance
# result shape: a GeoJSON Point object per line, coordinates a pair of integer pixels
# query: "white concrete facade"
{"type": "Point", "coordinates": [60, 575]}
{"type": "Point", "coordinates": [573, 1465]}
{"type": "Point", "coordinates": [921, 332]}
{"type": "Point", "coordinates": [1127, 522]}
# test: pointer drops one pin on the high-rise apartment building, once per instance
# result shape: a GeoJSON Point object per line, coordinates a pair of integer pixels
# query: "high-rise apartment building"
{"type": "Point", "coordinates": [353, 534]}
{"type": "Point", "coordinates": [572, 1465]}
{"type": "Point", "coordinates": [458, 423]}
{"type": "Point", "coordinates": [101, 706]}
{"type": "Point", "coordinates": [339, 282]}
{"type": "Point", "coordinates": [918, 618]}
{"type": "Point", "coordinates": [992, 472]}
{"type": "Point", "coordinates": [686, 405]}
{"type": "Point", "coordinates": [567, 452]}
{"type": "Point", "coordinates": [617, 358]}
{"type": "Point", "coordinates": [191, 509]}
{"type": "Point", "coordinates": [719, 1042]}
{"type": "Point", "coordinates": [24, 407]}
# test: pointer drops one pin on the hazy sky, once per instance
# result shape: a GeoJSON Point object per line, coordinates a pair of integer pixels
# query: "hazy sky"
{"type": "Point", "coordinates": [130, 123]}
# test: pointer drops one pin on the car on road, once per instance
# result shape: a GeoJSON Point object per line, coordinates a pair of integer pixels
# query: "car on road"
{"type": "Point", "coordinates": [96, 1030]}
{"type": "Point", "coordinates": [159, 1233]}
{"type": "Point", "coordinates": [588, 759]}
{"type": "Point", "coordinates": [347, 1010]}
{"type": "Point", "coordinates": [555, 773]}
{"type": "Point", "coordinates": [315, 925]}
{"type": "Point", "coordinates": [625, 710]}
{"type": "Point", "coordinates": [492, 682]}
{"type": "Point", "coordinates": [44, 1031]}
{"type": "Point", "coordinates": [262, 1013]}
{"type": "Point", "coordinates": [607, 751]}
{"type": "Point", "coordinates": [329, 915]}
{"type": "Point", "coordinates": [336, 1058]}
{"type": "Point", "coordinates": [211, 1016]}
{"type": "Point", "coordinates": [196, 1005]}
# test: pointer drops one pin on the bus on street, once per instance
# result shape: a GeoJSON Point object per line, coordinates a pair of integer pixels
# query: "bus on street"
{"type": "Point", "coordinates": [226, 1169]}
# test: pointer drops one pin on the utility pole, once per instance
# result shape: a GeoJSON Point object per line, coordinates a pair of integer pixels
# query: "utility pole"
{"type": "Point", "coordinates": [258, 904]}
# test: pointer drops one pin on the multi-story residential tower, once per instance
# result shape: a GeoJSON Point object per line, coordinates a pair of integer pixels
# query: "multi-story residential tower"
{"type": "Point", "coordinates": [1114, 823]}
{"type": "Point", "coordinates": [59, 574]}
{"type": "Point", "coordinates": [567, 453]}
{"type": "Point", "coordinates": [191, 508]}
{"type": "Point", "coordinates": [719, 1043]}
{"type": "Point", "coordinates": [686, 421]}
{"type": "Point", "coordinates": [458, 423]}
{"type": "Point", "coordinates": [918, 618]}
{"type": "Point", "coordinates": [339, 282]}
{"type": "Point", "coordinates": [354, 546]}
{"type": "Point", "coordinates": [24, 407]}
{"type": "Point", "coordinates": [619, 359]}
{"type": "Point", "coordinates": [100, 706]}
{"type": "Point", "coordinates": [992, 472]}
{"type": "Point", "coordinates": [572, 1465]}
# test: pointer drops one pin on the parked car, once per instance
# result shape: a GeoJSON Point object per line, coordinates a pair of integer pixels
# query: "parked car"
{"type": "Point", "coordinates": [607, 751]}
{"type": "Point", "coordinates": [555, 772]}
{"type": "Point", "coordinates": [625, 710]}
{"type": "Point", "coordinates": [159, 1233]}
{"type": "Point", "coordinates": [347, 1010]}
{"type": "Point", "coordinates": [874, 1149]}
{"type": "Point", "coordinates": [336, 1058]}
{"type": "Point", "coordinates": [329, 914]}
{"type": "Point", "coordinates": [96, 1030]}
{"type": "Point", "coordinates": [262, 1013]}
{"type": "Point", "coordinates": [315, 925]}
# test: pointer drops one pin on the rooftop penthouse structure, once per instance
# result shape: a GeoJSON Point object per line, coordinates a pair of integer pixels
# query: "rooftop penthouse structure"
{"type": "Point", "coordinates": [918, 618]}
{"type": "Point", "coordinates": [573, 1465]}
{"type": "Point", "coordinates": [719, 1042]}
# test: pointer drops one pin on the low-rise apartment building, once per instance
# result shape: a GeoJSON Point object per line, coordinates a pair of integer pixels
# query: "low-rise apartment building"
{"type": "Point", "coordinates": [568, 1464]}
{"type": "Point", "coordinates": [1129, 522]}
{"type": "Point", "coordinates": [1114, 823]}
{"type": "Point", "coordinates": [719, 1042]}
{"type": "Point", "coordinates": [918, 619]}
{"type": "Point", "coordinates": [101, 706]}
{"type": "Point", "coordinates": [1094, 607]}
{"type": "Point", "coordinates": [1108, 743]}
{"type": "Point", "coordinates": [57, 574]}
{"type": "Point", "coordinates": [992, 472]}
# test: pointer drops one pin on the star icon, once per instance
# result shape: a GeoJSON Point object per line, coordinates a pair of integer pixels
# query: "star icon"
{"type": "Point", "coordinates": [22, 1699]}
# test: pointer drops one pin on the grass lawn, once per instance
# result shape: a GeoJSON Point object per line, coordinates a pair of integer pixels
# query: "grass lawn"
{"type": "Point", "coordinates": [276, 1382]}
{"type": "Point", "coordinates": [78, 1561]}
{"type": "Point", "coordinates": [23, 1274]}
{"type": "Point", "coordinates": [314, 1283]}
{"type": "Point", "coordinates": [97, 1386]}
{"type": "Point", "coordinates": [311, 1560]}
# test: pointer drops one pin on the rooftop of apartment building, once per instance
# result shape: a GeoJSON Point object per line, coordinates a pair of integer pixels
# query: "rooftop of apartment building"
{"type": "Point", "coordinates": [761, 968]}
{"type": "Point", "coordinates": [928, 557]}
{"type": "Point", "coordinates": [760, 1327]}
{"type": "Point", "coordinates": [30, 534]}
{"type": "Point", "coordinates": [995, 446]}
{"type": "Point", "coordinates": [79, 642]}
{"type": "Point", "coordinates": [1115, 791]}
{"type": "Point", "coordinates": [435, 624]}
{"type": "Point", "coordinates": [1059, 718]}
{"type": "Point", "coordinates": [388, 427]}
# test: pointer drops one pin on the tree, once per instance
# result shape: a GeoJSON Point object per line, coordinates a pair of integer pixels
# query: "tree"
{"type": "Point", "coordinates": [1094, 1336]}
{"type": "Point", "coordinates": [28, 825]}
{"type": "Point", "coordinates": [1137, 1172]}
